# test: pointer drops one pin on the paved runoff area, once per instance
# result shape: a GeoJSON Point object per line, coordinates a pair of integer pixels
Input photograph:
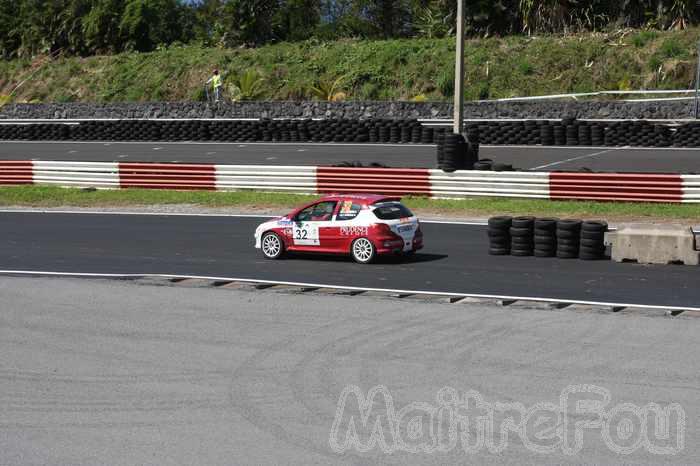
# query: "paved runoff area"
{"type": "Point", "coordinates": [670, 160]}
{"type": "Point", "coordinates": [114, 372]}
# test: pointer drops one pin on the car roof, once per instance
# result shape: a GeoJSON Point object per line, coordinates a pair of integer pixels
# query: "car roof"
{"type": "Point", "coordinates": [362, 198]}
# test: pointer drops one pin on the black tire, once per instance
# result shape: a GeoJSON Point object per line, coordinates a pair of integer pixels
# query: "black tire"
{"type": "Point", "coordinates": [569, 225]}
{"type": "Point", "coordinates": [545, 240]}
{"type": "Point", "coordinates": [521, 252]}
{"type": "Point", "coordinates": [568, 249]}
{"type": "Point", "coordinates": [566, 255]}
{"type": "Point", "coordinates": [502, 222]}
{"type": "Point", "coordinates": [523, 222]}
{"type": "Point", "coordinates": [271, 252]}
{"type": "Point", "coordinates": [594, 226]}
{"type": "Point", "coordinates": [363, 244]}
{"type": "Point", "coordinates": [546, 224]}
{"type": "Point", "coordinates": [499, 251]}
{"type": "Point", "coordinates": [543, 253]}
{"type": "Point", "coordinates": [568, 234]}
{"type": "Point", "coordinates": [593, 235]}
{"type": "Point", "coordinates": [527, 232]}
{"type": "Point", "coordinates": [498, 233]}
{"type": "Point", "coordinates": [592, 243]}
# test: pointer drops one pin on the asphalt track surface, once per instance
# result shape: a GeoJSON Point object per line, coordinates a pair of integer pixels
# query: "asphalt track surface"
{"type": "Point", "coordinates": [110, 372]}
{"type": "Point", "coordinates": [611, 159]}
{"type": "Point", "coordinates": [455, 259]}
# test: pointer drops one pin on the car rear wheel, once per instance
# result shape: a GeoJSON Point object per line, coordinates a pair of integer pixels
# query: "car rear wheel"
{"type": "Point", "coordinates": [363, 251]}
{"type": "Point", "coordinates": [272, 246]}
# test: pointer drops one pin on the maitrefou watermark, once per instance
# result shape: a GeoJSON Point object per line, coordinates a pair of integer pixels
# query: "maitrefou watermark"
{"type": "Point", "coordinates": [365, 422]}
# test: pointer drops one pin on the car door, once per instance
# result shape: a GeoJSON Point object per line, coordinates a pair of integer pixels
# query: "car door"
{"type": "Point", "coordinates": [312, 226]}
{"type": "Point", "coordinates": [347, 223]}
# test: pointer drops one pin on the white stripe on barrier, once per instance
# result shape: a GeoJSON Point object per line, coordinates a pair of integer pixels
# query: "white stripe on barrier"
{"type": "Point", "coordinates": [284, 178]}
{"type": "Point", "coordinates": [487, 183]}
{"type": "Point", "coordinates": [76, 174]}
{"type": "Point", "coordinates": [303, 180]}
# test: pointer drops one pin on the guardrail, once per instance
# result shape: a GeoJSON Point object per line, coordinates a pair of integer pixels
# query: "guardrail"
{"type": "Point", "coordinates": [631, 187]}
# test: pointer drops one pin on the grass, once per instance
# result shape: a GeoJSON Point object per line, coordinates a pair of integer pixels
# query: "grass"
{"type": "Point", "coordinates": [48, 196]}
{"type": "Point", "coordinates": [375, 70]}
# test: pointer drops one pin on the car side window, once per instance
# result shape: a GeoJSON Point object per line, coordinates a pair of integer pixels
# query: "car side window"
{"type": "Point", "coordinates": [321, 212]}
{"type": "Point", "coordinates": [348, 210]}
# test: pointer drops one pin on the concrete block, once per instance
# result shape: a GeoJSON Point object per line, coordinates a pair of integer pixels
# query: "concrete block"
{"type": "Point", "coordinates": [654, 244]}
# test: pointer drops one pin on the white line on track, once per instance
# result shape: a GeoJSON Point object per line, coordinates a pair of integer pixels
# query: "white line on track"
{"type": "Point", "coordinates": [581, 157]}
{"type": "Point", "coordinates": [350, 288]}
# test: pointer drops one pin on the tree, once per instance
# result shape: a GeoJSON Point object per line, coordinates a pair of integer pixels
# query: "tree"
{"type": "Point", "coordinates": [296, 19]}
{"type": "Point", "coordinates": [246, 22]}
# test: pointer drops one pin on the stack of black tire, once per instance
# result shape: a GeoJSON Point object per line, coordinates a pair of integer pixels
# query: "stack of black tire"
{"type": "Point", "coordinates": [406, 131]}
{"type": "Point", "coordinates": [499, 235]}
{"type": "Point", "coordinates": [522, 236]}
{"type": "Point", "coordinates": [568, 238]}
{"type": "Point", "coordinates": [559, 135]}
{"type": "Point", "coordinates": [597, 135]}
{"type": "Point", "coordinates": [593, 240]}
{"type": "Point", "coordinates": [452, 155]}
{"type": "Point", "coordinates": [547, 134]}
{"type": "Point", "coordinates": [687, 135]}
{"type": "Point", "coordinates": [545, 237]}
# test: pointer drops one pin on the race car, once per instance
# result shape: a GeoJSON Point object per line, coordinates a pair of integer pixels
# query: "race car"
{"type": "Point", "coordinates": [362, 225]}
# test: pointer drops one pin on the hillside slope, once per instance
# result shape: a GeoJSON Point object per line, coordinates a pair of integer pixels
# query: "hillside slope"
{"type": "Point", "coordinates": [371, 70]}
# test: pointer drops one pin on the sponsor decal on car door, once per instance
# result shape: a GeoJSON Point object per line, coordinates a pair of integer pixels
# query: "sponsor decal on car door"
{"type": "Point", "coordinates": [306, 234]}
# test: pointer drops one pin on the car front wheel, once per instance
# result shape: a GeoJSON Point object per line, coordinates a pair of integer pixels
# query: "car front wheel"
{"type": "Point", "coordinates": [272, 246]}
{"type": "Point", "coordinates": [363, 251]}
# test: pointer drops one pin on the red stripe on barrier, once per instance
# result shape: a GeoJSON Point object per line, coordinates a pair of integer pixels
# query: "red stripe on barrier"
{"type": "Point", "coordinates": [397, 181]}
{"type": "Point", "coordinates": [616, 187]}
{"type": "Point", "coordinates": [16, 172]}
{"type": "Point", "coordinates": [167, 176]}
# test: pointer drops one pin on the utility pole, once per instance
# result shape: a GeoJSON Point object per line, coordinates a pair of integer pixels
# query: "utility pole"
{"type": "Point", "coordinates": [459, 71]}
{"type": "Point", "coordinates": [697, 85]}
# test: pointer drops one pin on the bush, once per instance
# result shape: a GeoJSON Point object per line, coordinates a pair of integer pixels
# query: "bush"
{"type": "Point", "coordinates": [672, 48]}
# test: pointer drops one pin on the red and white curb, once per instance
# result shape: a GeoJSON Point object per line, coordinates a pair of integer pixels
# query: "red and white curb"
{"type": "Point", "coordinates": [635, 187]}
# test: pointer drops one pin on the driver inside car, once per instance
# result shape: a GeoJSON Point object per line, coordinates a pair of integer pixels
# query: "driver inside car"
{"type": "Point", "coordinates": [323, 212]}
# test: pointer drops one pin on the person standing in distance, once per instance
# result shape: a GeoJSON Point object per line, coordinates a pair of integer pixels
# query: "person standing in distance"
{"type": "Point", "coordinates": [215, 82]}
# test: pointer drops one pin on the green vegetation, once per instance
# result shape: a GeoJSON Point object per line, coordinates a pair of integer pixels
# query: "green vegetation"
{"type": "Point", "coordinates": [368, 69]}
{"type": "Point", "coordinates": [88, 27]}
{"type": "Point", "coordinates": [46, 196]}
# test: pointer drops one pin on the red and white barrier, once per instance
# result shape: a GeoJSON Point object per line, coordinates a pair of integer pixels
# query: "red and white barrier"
{"type": "Point", "coordinates": [634, 187]}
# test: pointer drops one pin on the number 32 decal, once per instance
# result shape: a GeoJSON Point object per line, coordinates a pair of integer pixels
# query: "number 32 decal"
{"type": "Point", "coordinates": [305, 234]}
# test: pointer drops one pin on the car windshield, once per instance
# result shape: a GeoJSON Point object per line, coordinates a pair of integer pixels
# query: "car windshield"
{"type": "Point", "coordinates": [391, 211]}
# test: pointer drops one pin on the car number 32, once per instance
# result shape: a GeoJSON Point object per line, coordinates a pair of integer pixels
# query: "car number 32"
{"type": "Point", "coordinates": [305, 234]}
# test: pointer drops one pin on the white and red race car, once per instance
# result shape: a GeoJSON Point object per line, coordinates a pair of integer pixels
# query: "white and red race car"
{"type": "Point", "coordinates": [362, 225]}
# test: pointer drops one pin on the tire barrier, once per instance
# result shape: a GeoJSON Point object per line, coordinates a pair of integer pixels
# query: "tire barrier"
{"type": "Point", "coordinates": [397, 181]}
{"type": "Point", "coordinates": [454, 152]}
{"type": "Point", "coordinates": [522, 236]}
{"type": "Point", "coordinates": [546, 237]}
{"type": "Point", "coordinates": [348, 131]}
{"type": "Point", "coordinates": [499, 235]}
{"type": "Point", "coordinates": [567, 132]}
{"type": "Point", "coordinates": [593, 240]}
{"type": "Point", "coordinates": [568, 238]}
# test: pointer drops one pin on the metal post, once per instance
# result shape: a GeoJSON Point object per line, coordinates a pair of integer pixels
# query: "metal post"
{"type": "Point", "coordinates": [697, 85]}
{"type": "Point", "coordinates": [459, 71]}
